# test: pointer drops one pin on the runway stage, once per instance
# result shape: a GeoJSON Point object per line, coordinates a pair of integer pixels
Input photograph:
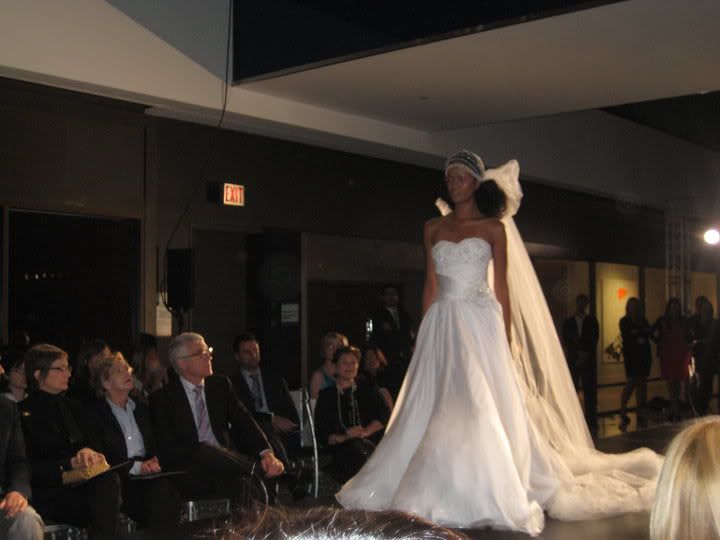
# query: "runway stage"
{"type": "Point", "coordinates": [625, 527]}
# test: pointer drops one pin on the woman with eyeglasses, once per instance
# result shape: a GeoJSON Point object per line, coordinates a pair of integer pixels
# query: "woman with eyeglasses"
{"type": "Point", "coordinates": [126, 433]}
{"type": "Point", "coordinates": [60, 439]}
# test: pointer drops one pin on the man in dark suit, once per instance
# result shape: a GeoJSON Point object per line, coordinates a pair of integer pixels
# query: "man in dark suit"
{"type": "Point", "coordinates": [393, 332]}
{"type": "Point", "coordinates": [580, 334]}
{"type": "Point", "coordinates": [18, 520]}
{"type": "Point", "coordinates": [265, 393]}
{"type": "Point", "coordinates": [202, 427]}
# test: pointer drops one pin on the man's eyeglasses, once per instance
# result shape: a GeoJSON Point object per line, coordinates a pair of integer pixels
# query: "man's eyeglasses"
{"type": "Point", "coordinates": [65, 369]}
{"type": "Point", "coordinates": [203, 352]}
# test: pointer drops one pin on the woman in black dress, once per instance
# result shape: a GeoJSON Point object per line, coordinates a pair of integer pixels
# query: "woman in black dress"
{"type": "Point", "coordinates": [635, 331]}
{"type": "Point", "coordinates": [60, 439]}
{"type": "Point", "coordinates": [350, 418]}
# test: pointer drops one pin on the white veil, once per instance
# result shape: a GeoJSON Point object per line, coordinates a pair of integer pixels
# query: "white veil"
{"type": "Point", "coordinates": [540, 361]}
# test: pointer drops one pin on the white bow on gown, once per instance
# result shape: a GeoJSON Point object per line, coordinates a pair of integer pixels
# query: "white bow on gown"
{"type": "Point", "coordinates": [484, 436]}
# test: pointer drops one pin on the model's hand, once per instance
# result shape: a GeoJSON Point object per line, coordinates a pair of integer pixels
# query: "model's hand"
{"type": "Point", "coordinates": [87, 457]}
{"type": "Point", "coordinates": [150, 466]}
{"type": "Point", "coordinates": [280, 423]}
{"type": "Point", "coordinates": [271, 465]}
{"type": "Point", "coordinates": [13, 503]}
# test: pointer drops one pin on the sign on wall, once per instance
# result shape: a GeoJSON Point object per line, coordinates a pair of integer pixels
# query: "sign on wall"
{"type": "Point", "coordinates": [233, 194]}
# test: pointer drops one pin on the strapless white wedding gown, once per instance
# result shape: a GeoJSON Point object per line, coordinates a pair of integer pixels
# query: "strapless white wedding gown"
{"type": "Point", "coordinates": [461, 448]}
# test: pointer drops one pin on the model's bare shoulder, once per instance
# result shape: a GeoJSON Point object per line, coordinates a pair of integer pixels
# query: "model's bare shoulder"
{"type": "Point", "coordinates": [431, 227]}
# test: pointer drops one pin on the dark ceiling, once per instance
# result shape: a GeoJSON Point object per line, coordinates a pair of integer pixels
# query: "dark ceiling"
{"type": "Point", "coordinates": [275, 37]}
{"type": "Point", "coordinates": [694, 118]}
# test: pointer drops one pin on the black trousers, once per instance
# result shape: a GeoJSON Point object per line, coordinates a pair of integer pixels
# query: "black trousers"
{"type": "Point", "coordinates": [349, 457]}
{"type": "Point", "coordinates": [150, 502]}
{"type": "Point", "coordinates": [94, 504]}
{"type": "Point", "coordinates": [218, 472]}
{"type": "Point", "coordinates": [584, 375]}
{"type": "Point", "coordinates": [708, 370]}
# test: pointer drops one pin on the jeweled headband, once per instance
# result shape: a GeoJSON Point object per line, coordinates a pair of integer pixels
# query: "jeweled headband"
{"type": "Point", "coordinates": [470, 161]}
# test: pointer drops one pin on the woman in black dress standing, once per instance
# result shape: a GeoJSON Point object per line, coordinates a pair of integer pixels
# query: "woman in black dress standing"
{"type": "Point", "coordinates": [635, 331]}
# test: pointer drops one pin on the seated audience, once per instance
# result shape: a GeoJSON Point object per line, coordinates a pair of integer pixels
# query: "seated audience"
{"type": "Point", "coordinates": [373, 369]}
{"type": "Point", "coordinates": [686, 498]}
{"type": "Point", "coordinates": [15, 386]}
{"type": "Point", "coordinates": [265, 393]}
{"type": "Point", "coordinates": [324, 522]}
{"type": "Point", "coordinates": [324, 376]}
{"type": "Point", "coordinates": [18, 520]}
{"type": "Point", "coordinates": [88, 357]}
{"type": "Point", "coordinates": [58, 437]}
{"type": "Point", "coordinates": [202, 427]}
{"type": "Point", "coordinates": [125, 433]}
{"type": "Point", "coordinates": [349, 418]}
{"type": "Point", "coordinates": [151, 373]}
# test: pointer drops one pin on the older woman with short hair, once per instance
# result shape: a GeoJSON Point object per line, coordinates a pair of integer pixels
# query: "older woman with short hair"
{"type": "Point", "coordinates": [60, 439]}
{"type": "Point", "coordinates": [126, 434]}
{"type": "Point", "coordinates": [350, 418]}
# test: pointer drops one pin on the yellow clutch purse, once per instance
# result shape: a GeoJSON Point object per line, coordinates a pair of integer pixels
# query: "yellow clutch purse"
{"type": "Point", "coordinates": [76, 476]}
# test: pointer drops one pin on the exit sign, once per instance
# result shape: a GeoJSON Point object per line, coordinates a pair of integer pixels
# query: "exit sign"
{"type": "Point", "coordinates": [233, 195]}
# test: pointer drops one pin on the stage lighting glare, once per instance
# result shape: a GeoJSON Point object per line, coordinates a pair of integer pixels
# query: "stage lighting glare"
{"type": "Point", "coordinates": [712, 236]}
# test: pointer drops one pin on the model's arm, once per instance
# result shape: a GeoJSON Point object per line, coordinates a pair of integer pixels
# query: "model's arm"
{"type": "Point", "coordinates": [430, 287]}
{"type": "Point", "coordinates": [500, 284]}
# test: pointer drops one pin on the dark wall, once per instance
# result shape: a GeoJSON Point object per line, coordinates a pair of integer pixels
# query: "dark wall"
{"type": "Point", "coordinates": [70, 152]}
{"type": "Point", "coordinates": [67, 152]}
{"type": "Point", "coordinates": [290, 186]}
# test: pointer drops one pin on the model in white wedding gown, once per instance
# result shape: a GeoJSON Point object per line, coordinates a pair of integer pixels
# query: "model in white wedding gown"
{"type": "Point", "coordinates": [481, 436]}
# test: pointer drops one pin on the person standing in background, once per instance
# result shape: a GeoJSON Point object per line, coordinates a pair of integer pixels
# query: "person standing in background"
{"type": "Point", "coordinates": [635, 332]}
{"type": "Point", "coordinates": [393, 332]}
{"type": "Point", "coordinates": [580, 334]}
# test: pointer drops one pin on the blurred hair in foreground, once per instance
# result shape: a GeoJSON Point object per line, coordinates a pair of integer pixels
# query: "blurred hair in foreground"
{"type": "Point", "coordinates": [326, 522]}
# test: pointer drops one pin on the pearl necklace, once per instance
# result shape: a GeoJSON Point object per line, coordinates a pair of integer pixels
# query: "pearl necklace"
{"type": "Point", "coordinates": [354, 409]}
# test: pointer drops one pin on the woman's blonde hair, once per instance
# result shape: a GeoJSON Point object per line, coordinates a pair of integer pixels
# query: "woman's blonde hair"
{"type": "Point", "coordinates": [103, 371]}
{"type": "Point", "coordinates": [687, 500]}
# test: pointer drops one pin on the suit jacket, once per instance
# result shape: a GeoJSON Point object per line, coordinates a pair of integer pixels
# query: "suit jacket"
{"type": "Point", "coordinates": [175, 431]}
{"type": "Point", "coordinates": [276, 392]}
{"type": "Point", "coordinates": [393, 339]}
{"type": "Point", "coordinates": [585, 342]}
{"type": "Point", "coordinates": [14, 466]}
{"type": "Point", "coordinates": [55, 429]}
{"type": "Point", "coordinates": [112, 439]}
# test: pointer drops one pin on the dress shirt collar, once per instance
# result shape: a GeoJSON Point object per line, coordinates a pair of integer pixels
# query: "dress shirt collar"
{"type": "Point", "coordinates": [129, 406]}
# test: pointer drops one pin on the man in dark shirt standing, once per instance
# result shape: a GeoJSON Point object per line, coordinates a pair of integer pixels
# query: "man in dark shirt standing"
{"type": "Point", "coordinates": [18, 520]}
{"type": "Point", "coordinates": [580, 334]}
{"type": "Point", "coordinates": [393, 332]}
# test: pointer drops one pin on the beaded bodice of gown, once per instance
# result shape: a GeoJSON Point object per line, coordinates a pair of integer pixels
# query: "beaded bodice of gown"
{"type": "Point", "coordinates": [462, 270]}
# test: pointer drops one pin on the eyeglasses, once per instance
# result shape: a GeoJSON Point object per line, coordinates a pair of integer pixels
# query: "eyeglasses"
{"type": "Point", "coordinates": [65, 369]}
{"type": "Point", "coordinates": [203, 352]}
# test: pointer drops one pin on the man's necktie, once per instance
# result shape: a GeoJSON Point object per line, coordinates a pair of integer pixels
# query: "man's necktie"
{"type": "Point", "coordinates": [257, 391]}
{"type": "Point", "coordinates": [205, 433]}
